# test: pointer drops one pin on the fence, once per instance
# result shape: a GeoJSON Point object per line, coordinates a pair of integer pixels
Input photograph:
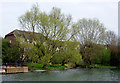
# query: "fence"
{"type": "Point", "coordinates": [5, 65]}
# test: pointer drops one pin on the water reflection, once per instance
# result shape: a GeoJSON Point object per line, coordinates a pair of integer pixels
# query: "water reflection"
{"type": "Point", "coordinates": [67, 75]}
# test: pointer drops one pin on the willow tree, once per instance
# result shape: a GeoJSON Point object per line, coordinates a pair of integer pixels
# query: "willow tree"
{"type": "Point", "coordinates": [28, 21]}
{"type": "Point", "coordinates": [54, 25]}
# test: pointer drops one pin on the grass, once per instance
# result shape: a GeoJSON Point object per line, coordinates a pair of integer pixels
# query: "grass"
{"type": "Point", "coordinates": [38, 66]}
{"type": "Point", "coordinates": [55, 67]}
{"type": "Point", "coordinates": [34, 66]}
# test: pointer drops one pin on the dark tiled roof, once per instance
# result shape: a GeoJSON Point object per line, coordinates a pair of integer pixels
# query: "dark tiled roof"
{"type": "Point", "coordinates": [25, 34]}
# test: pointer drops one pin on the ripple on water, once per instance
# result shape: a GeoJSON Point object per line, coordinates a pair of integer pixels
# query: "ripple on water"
{"type": "Point", "coordinates": [66, 75]}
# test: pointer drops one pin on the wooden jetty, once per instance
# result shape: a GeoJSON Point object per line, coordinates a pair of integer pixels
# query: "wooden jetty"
{"type": "Point", "coordinates": [8, 70]}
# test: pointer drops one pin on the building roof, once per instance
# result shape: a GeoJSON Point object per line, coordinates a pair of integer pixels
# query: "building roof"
{"type": "Point", "coordinates": [25, 34]}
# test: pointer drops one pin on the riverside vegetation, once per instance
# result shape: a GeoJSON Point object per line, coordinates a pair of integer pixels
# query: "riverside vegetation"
{"type": "Point", "coordinates": [66, 44]}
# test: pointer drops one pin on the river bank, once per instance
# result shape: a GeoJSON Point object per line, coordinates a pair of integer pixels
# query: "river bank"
{"type": "Point", "coordinates": [40, 67]}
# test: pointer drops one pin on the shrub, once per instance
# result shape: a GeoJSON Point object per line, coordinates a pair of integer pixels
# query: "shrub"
{"type": "Point", "coordinates": [59, 58]}
{"type": "Point", "coordinates": [45, 59]}
{"type": "Point", "coordinates": [11, 52]}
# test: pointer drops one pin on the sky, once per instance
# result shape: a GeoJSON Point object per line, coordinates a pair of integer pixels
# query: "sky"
{"type": "Point", "coordinates": [104, 10]}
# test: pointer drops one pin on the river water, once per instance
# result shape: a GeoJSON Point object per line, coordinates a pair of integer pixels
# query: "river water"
{"type": "Point", "coordinates": [67, 75]}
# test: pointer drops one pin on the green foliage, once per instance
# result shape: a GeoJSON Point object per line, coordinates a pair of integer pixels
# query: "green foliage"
{"type": "Point", "coordinates": [115, 56]}
{"type": "Point", "coordinates": [73, 52]}
{"type": "Point", "coordinates": [106, 57]}
{"type": "Point", "coordinates": [29, 19]}
{"type": "Point", "coordinates": [69, 52]}
{"type": "Point", "coordinates": [53, 25]}
{"type": "Point", "coordinates": [87, 38]}
{"type": "Point", "coordinates": [59, 58]}
{"type": "Point", "coordinates": [56, 68]}
{"type": "Point", "coordinates": [38, 66]}
{"type": "Point", "coordinates": [102, 55]}
{"type": "Point", "coordinates": [33, 66]}
{"type": "Point", "coordinates": [11, 52]}
{"type": "Point", "coordinates": [5, 44]}
{"type": "Point", "coordinates": [76, 58]}
{"type": "Point", "coordinates": [33, 54]}
{"type": "Point", "coordinates": [45, 59]}
{"type": "Point", "coordinates": [96, 54]}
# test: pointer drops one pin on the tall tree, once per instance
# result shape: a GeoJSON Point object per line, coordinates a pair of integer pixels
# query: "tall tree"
{"type": "Point", "coordinates": [28, 21]}
{"type": "Point", "coordinates": [111, 38]}
{"type": "Point", "coordinates": [89, 31]}
{"type": "Point", "coordinates": [54, 25]}
{"type": "Point", "coordinates": [112, 43]}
